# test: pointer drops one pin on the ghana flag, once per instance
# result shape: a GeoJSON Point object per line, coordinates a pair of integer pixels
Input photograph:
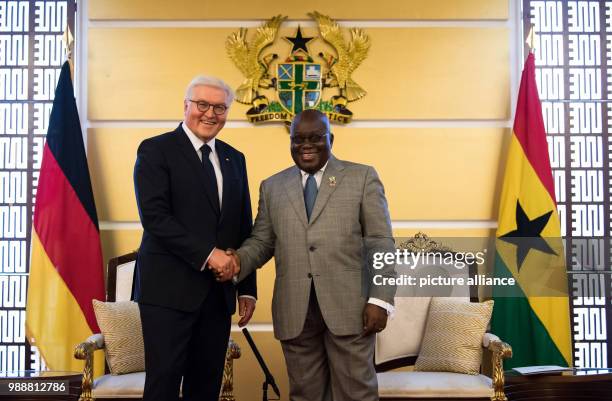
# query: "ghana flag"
{"type": "Point", "coordinates": [534, 317]}
{"type": "Point", "coordinates": [66, 259]}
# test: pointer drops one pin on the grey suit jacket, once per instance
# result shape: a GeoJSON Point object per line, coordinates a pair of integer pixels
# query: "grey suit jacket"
{"type": "Point", "coordinates": [350, 220]}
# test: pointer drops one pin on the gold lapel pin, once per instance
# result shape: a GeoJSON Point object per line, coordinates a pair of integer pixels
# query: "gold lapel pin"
{"type": "Point", "coordinates": [332, 181]}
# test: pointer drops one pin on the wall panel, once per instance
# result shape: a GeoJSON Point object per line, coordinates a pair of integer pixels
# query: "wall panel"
{"type": "Point", "coordinates": [411, 73]}
{"type": "Point", "coordinates": [257, 9]}
{"type": "Point", "coordinates": [428, 173]}
{"type": "Point", "coordinates": [118, 242]}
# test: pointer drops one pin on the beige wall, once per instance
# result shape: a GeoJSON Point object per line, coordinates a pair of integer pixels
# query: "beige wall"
{"type": "Point", "coordinates": [434, 122]}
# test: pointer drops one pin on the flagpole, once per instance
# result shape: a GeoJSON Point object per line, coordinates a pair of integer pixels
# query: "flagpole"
{"type": "Point", "coordinates": [530, 40]}
{"type": "Point", "coordinates": [68, 48]}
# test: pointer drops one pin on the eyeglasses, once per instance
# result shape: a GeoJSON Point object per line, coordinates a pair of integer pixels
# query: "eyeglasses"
{"type": "Point", "coordinates": [315, 138]}
{"type": "Point", "coordinates": [203, 106]}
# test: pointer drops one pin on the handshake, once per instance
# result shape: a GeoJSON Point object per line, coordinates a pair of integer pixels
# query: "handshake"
{"type": "Point", "coordinates": [225, 265]}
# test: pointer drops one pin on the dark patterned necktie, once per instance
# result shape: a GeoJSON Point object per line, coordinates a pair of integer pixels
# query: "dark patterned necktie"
{"type": "Point", "coordinates": [209, 172]}
{"type": "Point", "coordinates": [310, 194]}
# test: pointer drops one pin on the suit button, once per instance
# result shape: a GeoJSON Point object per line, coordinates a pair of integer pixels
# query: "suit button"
{"type": "Point", "coordinates": [309, 275]}
{"type": "Point", "coordinates": [312, 248]}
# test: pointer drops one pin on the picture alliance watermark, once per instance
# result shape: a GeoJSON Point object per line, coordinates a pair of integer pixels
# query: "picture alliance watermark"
{"type": "Point", "coordinates": [436, 280]}
{"type": "Point", "coordinates": [462, 266]}
{"type": "Point", "coordinates": [434, 273]}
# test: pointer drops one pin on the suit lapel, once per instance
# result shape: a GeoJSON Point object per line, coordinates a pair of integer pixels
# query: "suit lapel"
{"type": "Point", "coordinates": [295, 193]}
{"type": "Point", "coordinates": [225, 163]}
{"type": "Point", "coordinates": [195, 163]}
{"type": "Point", "coordinates": [331, 179]}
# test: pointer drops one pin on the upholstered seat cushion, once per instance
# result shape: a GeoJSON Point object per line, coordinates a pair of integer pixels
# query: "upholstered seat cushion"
{"type": "Point", "coordinates": [433, 384]}
{"type": "Point", "coordinates": [129, 385]}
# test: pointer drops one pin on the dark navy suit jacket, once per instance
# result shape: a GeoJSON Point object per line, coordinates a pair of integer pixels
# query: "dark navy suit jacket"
{"type": "Point", "coordinates": [182, 223]}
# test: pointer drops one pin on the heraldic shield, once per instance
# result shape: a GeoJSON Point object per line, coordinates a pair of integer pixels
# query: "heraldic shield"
{"type": "Point", "coordinates": [298, 85]}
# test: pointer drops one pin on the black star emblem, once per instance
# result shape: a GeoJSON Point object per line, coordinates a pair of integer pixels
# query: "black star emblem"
{"type": "Point", "coordinates": [299, 42]}
{"type": "Point", "coordinates": [527, 235]}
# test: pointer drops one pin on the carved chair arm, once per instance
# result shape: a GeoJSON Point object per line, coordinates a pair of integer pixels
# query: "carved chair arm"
{"type": "Point", "coordinates": [500, 351]}
{"type": "Point", "coordinates": [85, 351]}
{"type": "Point", "coordinates": [233, 352]}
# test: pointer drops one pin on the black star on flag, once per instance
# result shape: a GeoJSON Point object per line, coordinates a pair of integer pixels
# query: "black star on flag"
{"type": "Point", "coordinates": [299, 42]}
{"type": "Point", "coordinates": [527, 235]}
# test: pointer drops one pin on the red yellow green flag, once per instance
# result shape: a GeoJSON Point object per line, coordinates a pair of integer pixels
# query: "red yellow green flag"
{"type": "Point", "coordinates": [534, 318]}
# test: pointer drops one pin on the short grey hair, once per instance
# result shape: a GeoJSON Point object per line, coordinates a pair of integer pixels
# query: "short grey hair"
{"type": "Point", "coordinates": [203, 80]}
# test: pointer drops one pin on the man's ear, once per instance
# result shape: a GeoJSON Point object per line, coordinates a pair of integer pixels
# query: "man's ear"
{"type": "Point", "coordinates": [331, 139]}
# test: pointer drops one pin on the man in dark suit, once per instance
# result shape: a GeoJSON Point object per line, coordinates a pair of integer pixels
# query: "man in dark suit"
{"type": "Point", "coordinates": [193, 199]}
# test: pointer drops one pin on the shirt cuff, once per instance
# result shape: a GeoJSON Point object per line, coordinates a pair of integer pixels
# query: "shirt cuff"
{"type": "Point", "coordinates": [206, 261]}
{"type": "Point", "coordinates": [385, 305]}
{"type": "Point", "coordinates": [247, 296]}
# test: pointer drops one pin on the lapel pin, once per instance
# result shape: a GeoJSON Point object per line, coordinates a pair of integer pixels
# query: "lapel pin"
{"type": "Point", "coordinates": [227, 159]}
{"type": "Point", "coordinates": [332, 181]}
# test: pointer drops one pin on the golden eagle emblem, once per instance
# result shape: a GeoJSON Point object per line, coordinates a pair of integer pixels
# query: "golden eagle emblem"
{"type": "Point", "coordinates": [350, 56]}
{"type": "Point", "coordinates": [299, 79]}
{"type": "Point", "coordinates": [246, 56]}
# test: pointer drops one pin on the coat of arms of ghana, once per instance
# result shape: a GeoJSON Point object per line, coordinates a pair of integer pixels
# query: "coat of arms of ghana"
{"type": "Point", "coordinates": [300, 79]}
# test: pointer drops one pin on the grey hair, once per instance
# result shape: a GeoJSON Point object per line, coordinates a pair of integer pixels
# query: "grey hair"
{"type": "Point", "coordinates": [202, 80]}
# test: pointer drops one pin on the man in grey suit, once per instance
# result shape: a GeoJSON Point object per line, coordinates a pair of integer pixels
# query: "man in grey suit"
{"type": "Point", "coordinates": [320, 220]}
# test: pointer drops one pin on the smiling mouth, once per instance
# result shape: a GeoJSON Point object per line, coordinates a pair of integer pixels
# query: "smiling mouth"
{"type": "Point", "coordinates": [208, 122]}
{"type": "Point", "coordinates": [308, 156]}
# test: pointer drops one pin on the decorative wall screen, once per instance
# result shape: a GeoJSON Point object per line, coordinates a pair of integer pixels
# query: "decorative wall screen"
{"type": "Point", "coordinates": [31, 54]}
{"type": "Point", "coordinates": [574, 73]}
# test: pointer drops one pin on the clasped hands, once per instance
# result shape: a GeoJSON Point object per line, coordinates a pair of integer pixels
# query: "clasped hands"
{"type": "Point", "coordinates": [224, 264]}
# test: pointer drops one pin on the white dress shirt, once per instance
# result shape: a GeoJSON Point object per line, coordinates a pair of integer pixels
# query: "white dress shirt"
{"type": "Point", "coordinates": [318, 177]}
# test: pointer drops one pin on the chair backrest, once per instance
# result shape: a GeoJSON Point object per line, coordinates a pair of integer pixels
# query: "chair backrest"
{"type": "Point", "coordinates": [120, 277]}
{"type": "Point", "coordinates": [399, 344]}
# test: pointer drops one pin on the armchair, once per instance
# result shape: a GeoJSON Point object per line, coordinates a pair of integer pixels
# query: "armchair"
{"type": "Point", "coordinates": [129, 386]}
{"type": "Point", "coordinates": [398, 346]}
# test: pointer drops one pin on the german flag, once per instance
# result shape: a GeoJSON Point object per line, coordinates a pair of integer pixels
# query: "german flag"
{"type": "Point", "coordinates": [534, 316]}
{"type": "Point", "coordinates": [66, 270]}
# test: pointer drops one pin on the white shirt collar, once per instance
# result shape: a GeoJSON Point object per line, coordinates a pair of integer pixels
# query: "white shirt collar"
{"type": "Point", "coordinates": [318, 173]}
{"type": "Point", "coordinates": [195, 141]}
{"type": "Point", "coordinates": [318, 176]}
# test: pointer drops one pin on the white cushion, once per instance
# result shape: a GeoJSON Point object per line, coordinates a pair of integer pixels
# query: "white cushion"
{"type": "Point", "coordinates": [125, 276]}
{"type": "Point", "coordinates": [404, 332]}
{"type": "Point", "coordinates": [433, 385]}
{"type": "Point", "coordinates": [129, 385]}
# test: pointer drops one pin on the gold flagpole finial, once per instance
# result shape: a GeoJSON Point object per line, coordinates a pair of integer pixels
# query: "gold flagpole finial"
{"type": "Point", "coordinates": [69, 47]}
{"type": "Point", "coordinates": [531, 38]}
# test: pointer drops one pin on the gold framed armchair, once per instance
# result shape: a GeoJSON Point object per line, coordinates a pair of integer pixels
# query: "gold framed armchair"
{"type": "Point", "coordinates": [129, 386]}
{"type": "Point", "coordinates": [399, 345]}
